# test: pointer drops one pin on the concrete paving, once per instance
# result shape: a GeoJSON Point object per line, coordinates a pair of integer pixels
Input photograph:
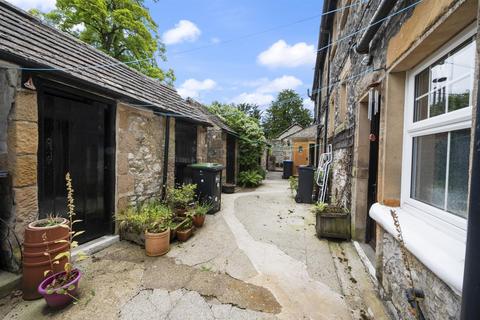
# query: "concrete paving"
{"type": "Point", "coordinates": [258, 258]}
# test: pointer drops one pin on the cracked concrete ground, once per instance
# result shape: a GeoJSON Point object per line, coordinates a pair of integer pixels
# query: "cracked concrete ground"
{"type": "Point", "coordinates": [256, 259]}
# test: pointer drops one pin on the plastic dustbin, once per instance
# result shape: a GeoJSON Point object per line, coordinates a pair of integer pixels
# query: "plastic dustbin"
{"type": "Point", "coordinates": [287, 169]}
{"type": "Point", "coordinates": [208, 178]}
{"type": "Point", "coordinates": [305, 184]}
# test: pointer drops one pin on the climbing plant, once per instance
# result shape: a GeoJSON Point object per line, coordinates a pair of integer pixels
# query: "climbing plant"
{"type": "Point", "coordinates": [251, 139]}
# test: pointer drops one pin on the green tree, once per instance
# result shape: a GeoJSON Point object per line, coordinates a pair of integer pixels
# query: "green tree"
{"type": "Point", "coordinates": [284, 111]}
{"type": "Point", "coordinates": [251, 140]}
{"type": "Point", "coordinates": [124, 29]}
{"type": "Point", "coordinates": [252, 110]}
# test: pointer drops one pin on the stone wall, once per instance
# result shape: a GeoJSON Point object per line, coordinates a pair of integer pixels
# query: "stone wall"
{"type": "Point", "coordinates": [22, 158]}
{"type": "Point", "coordinates": [217, 148]}
{"type": "Point", "coordinates": [440, 302]}
{"type": "Point", "coordinates": [140, 150]}
{"type": "Point", "coordinates": [202, 144]}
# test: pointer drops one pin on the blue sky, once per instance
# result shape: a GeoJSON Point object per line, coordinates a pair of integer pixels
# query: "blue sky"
{"type": "Point", "coordinates": [243, 70]}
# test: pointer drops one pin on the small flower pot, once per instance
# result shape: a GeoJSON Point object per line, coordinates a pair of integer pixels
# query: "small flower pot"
{"type": "Point", "coordinates": [157, 244]}
{"type": "Point", "coordinates": [58, 300]}
{"type": "Point", "coordinates": [198, 220]}
{"type": "Point", "coordinates": [184, 234]}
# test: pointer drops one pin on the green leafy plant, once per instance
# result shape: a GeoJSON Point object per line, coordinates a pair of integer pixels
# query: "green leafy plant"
{"type": "Point", "coordinates": [293, 181]}
{"type": "Point", "coordinates": [321, 207]}
{"type": "Point", "coordinates": [123, 29]}
{"type": "Point", "coordinates": [70, 272]}
{"type": "Point", "coordinates": [249, 179]}
{"type": "Point", "coordinates": [200, 209]}
{"type": "Point", "coordinates": [251, 138]}
{"type": "Point", "coordinates": [50, 221]}
{"type": "Point", "coordinates": [181, 198]}
{"type": "Point", "coordinates": [152, 216]}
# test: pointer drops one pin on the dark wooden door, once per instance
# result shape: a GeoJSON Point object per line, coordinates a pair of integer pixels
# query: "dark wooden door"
{"type": "Point", "coordinates": [230, 178]}
{"type": "Point", "coordinates": [74, 137]}
{"type": "Point", "coordinates": [373, 174]}
{"type": "Point", "coordinates": [185, 150]}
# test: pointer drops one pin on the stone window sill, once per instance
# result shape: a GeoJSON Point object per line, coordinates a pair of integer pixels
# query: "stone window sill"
{"type": "Point", "coordinates": [439, 249]}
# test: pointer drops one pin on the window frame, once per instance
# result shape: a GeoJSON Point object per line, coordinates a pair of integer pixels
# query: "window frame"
{"type": "Point", "coordinates": [450, 121]}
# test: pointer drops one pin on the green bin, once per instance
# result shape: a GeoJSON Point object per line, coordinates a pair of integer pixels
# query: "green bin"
{"type": "Point", "coordinates": [208, 178]}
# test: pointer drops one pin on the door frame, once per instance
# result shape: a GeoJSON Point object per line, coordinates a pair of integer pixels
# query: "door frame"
{"type": "Point", "coordinates": [44, 87]}
{"type": "Point", "coordinates": [361, 171]}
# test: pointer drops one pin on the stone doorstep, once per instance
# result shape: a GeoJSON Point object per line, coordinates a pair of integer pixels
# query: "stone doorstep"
{"type": "Point", "coordinates": [366, 261]}
{"type": "Point", "coordinates": [8, 283]}
{"type": "Point", "coordinates": [96, 245]}
{"type": "Point", "coordinates": [11, 281]}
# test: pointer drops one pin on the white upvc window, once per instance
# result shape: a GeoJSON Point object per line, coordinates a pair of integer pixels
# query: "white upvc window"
{"type": "Point", "coordinates": [437, 127]}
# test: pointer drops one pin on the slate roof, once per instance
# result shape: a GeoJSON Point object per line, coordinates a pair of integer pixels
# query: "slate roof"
{"type": "Point", "coordinates": [27, 41]}
{"type": "Point", "coordinates": [214, 119]}
{"type": "Point", "coordinates": [307, 133]}
{"type": "Point", "coordinates": [285, 133]}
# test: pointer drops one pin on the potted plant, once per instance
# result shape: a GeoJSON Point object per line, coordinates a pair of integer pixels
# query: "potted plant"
{"type": "Point", "coordinates": [198, 213]}
{"type": "Point", "coordinates": [35, 263]}
{"type": "Point", "coordinates": [185, 229]}
{"type": "Point", "coordinates": [181, 198]}
{"type": "Point", "coordinates": [157, 231]}
{"type": "Point", "coordinates": [60, 289]}
{"type": "Point", "coordinates": [332, 221]}
{"type": "Point", "coordinates": [133, 222]}
{"type": "Point", "coordinates": [157, 239]}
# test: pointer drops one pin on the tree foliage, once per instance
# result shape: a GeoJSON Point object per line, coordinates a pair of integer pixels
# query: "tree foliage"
{"type": "Point", "coordinates": [124, 29]}
{"type": "Point", "coordinates": [284, 111]}
{"type": "Point", "coordinates": [252, 110]}
{"type": "Point", "coordinates": [251, 137]}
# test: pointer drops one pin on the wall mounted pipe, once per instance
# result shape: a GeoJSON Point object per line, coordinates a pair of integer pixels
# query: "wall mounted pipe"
{"type": "Point", "coordinates": [166, 145]}
{"type": "Point", "coordinates": [363, 45]}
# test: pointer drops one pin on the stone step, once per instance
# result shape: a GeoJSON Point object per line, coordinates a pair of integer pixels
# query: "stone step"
{"type": "Point", "coordinates": [9, 282]}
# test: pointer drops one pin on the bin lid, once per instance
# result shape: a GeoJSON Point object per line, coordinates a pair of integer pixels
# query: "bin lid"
{"type": "Point", "coordinates": [207, 166]}
{"type": "Point", "coordinates": [287, 161]}
{"type": "Point", "coordinates": [306, 168]}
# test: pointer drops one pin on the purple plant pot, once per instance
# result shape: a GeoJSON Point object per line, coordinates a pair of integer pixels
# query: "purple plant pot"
{"type": "Point", "coordinates": [57, 300]}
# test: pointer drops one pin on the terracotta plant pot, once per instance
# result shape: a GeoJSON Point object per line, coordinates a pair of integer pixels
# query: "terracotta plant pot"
{"type": "Point", "coordinates": [35, 262]}
{"type": "Point", "coordinates": [198, 220]}
{"type": "Point", "coordinates": [58, 300]}
{"type": "Point", "coordinates": [184, 234]}
{"type": "Point", "coordinates": [157, 244]}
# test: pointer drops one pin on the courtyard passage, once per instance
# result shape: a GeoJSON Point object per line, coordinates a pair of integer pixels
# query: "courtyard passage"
{"type": "Point", "coordinates": [258, 258]}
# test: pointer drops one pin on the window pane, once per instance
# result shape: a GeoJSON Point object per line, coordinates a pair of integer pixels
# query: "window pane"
{"type": "Point", "coordinates": [462, 61]}
{"type": "Point", "coordinates": [458, 172]}
{"type": "Point", "coordinates": [437, 101]}
{"type": "Point", "coordinates": [448, 78]}
{"type": "Point", "coordinates": [429, 169]}
{"type": "Point", "coordinates": [421, 88]}
{"type": "Point", "coordinates": [459, 94]}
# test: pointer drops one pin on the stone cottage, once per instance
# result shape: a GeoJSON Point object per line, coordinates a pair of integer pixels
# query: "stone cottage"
{"type": "Point", "coordinates": [281, 147]}
{"type": "Point", "coordinates": [303, 147]}
{"type": "Point", "coordinates": [67, 107]}
{"type": "Point", "coordinates": [221, 145]}
{"type": "Point", "coordinates": [394, 89]}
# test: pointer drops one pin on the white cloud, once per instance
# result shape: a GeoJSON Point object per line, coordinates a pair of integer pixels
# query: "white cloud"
{"type": "Point", "coordinates": [265, 89]}
{"type": "Point", "coordinates": [281, 54]}
{"type": "Point", "coordinates": [279, 84]}
{"type": "Point", "coordinates": [253, 98]}
{"type": "Point", "coordinates": [215, 40]}
{"type": "Point", "coordinates": [192, 87]}
{"type": "Point", "coordinates": [42, 5]}
{"type": "Point", "coordinates": [184, 30]}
